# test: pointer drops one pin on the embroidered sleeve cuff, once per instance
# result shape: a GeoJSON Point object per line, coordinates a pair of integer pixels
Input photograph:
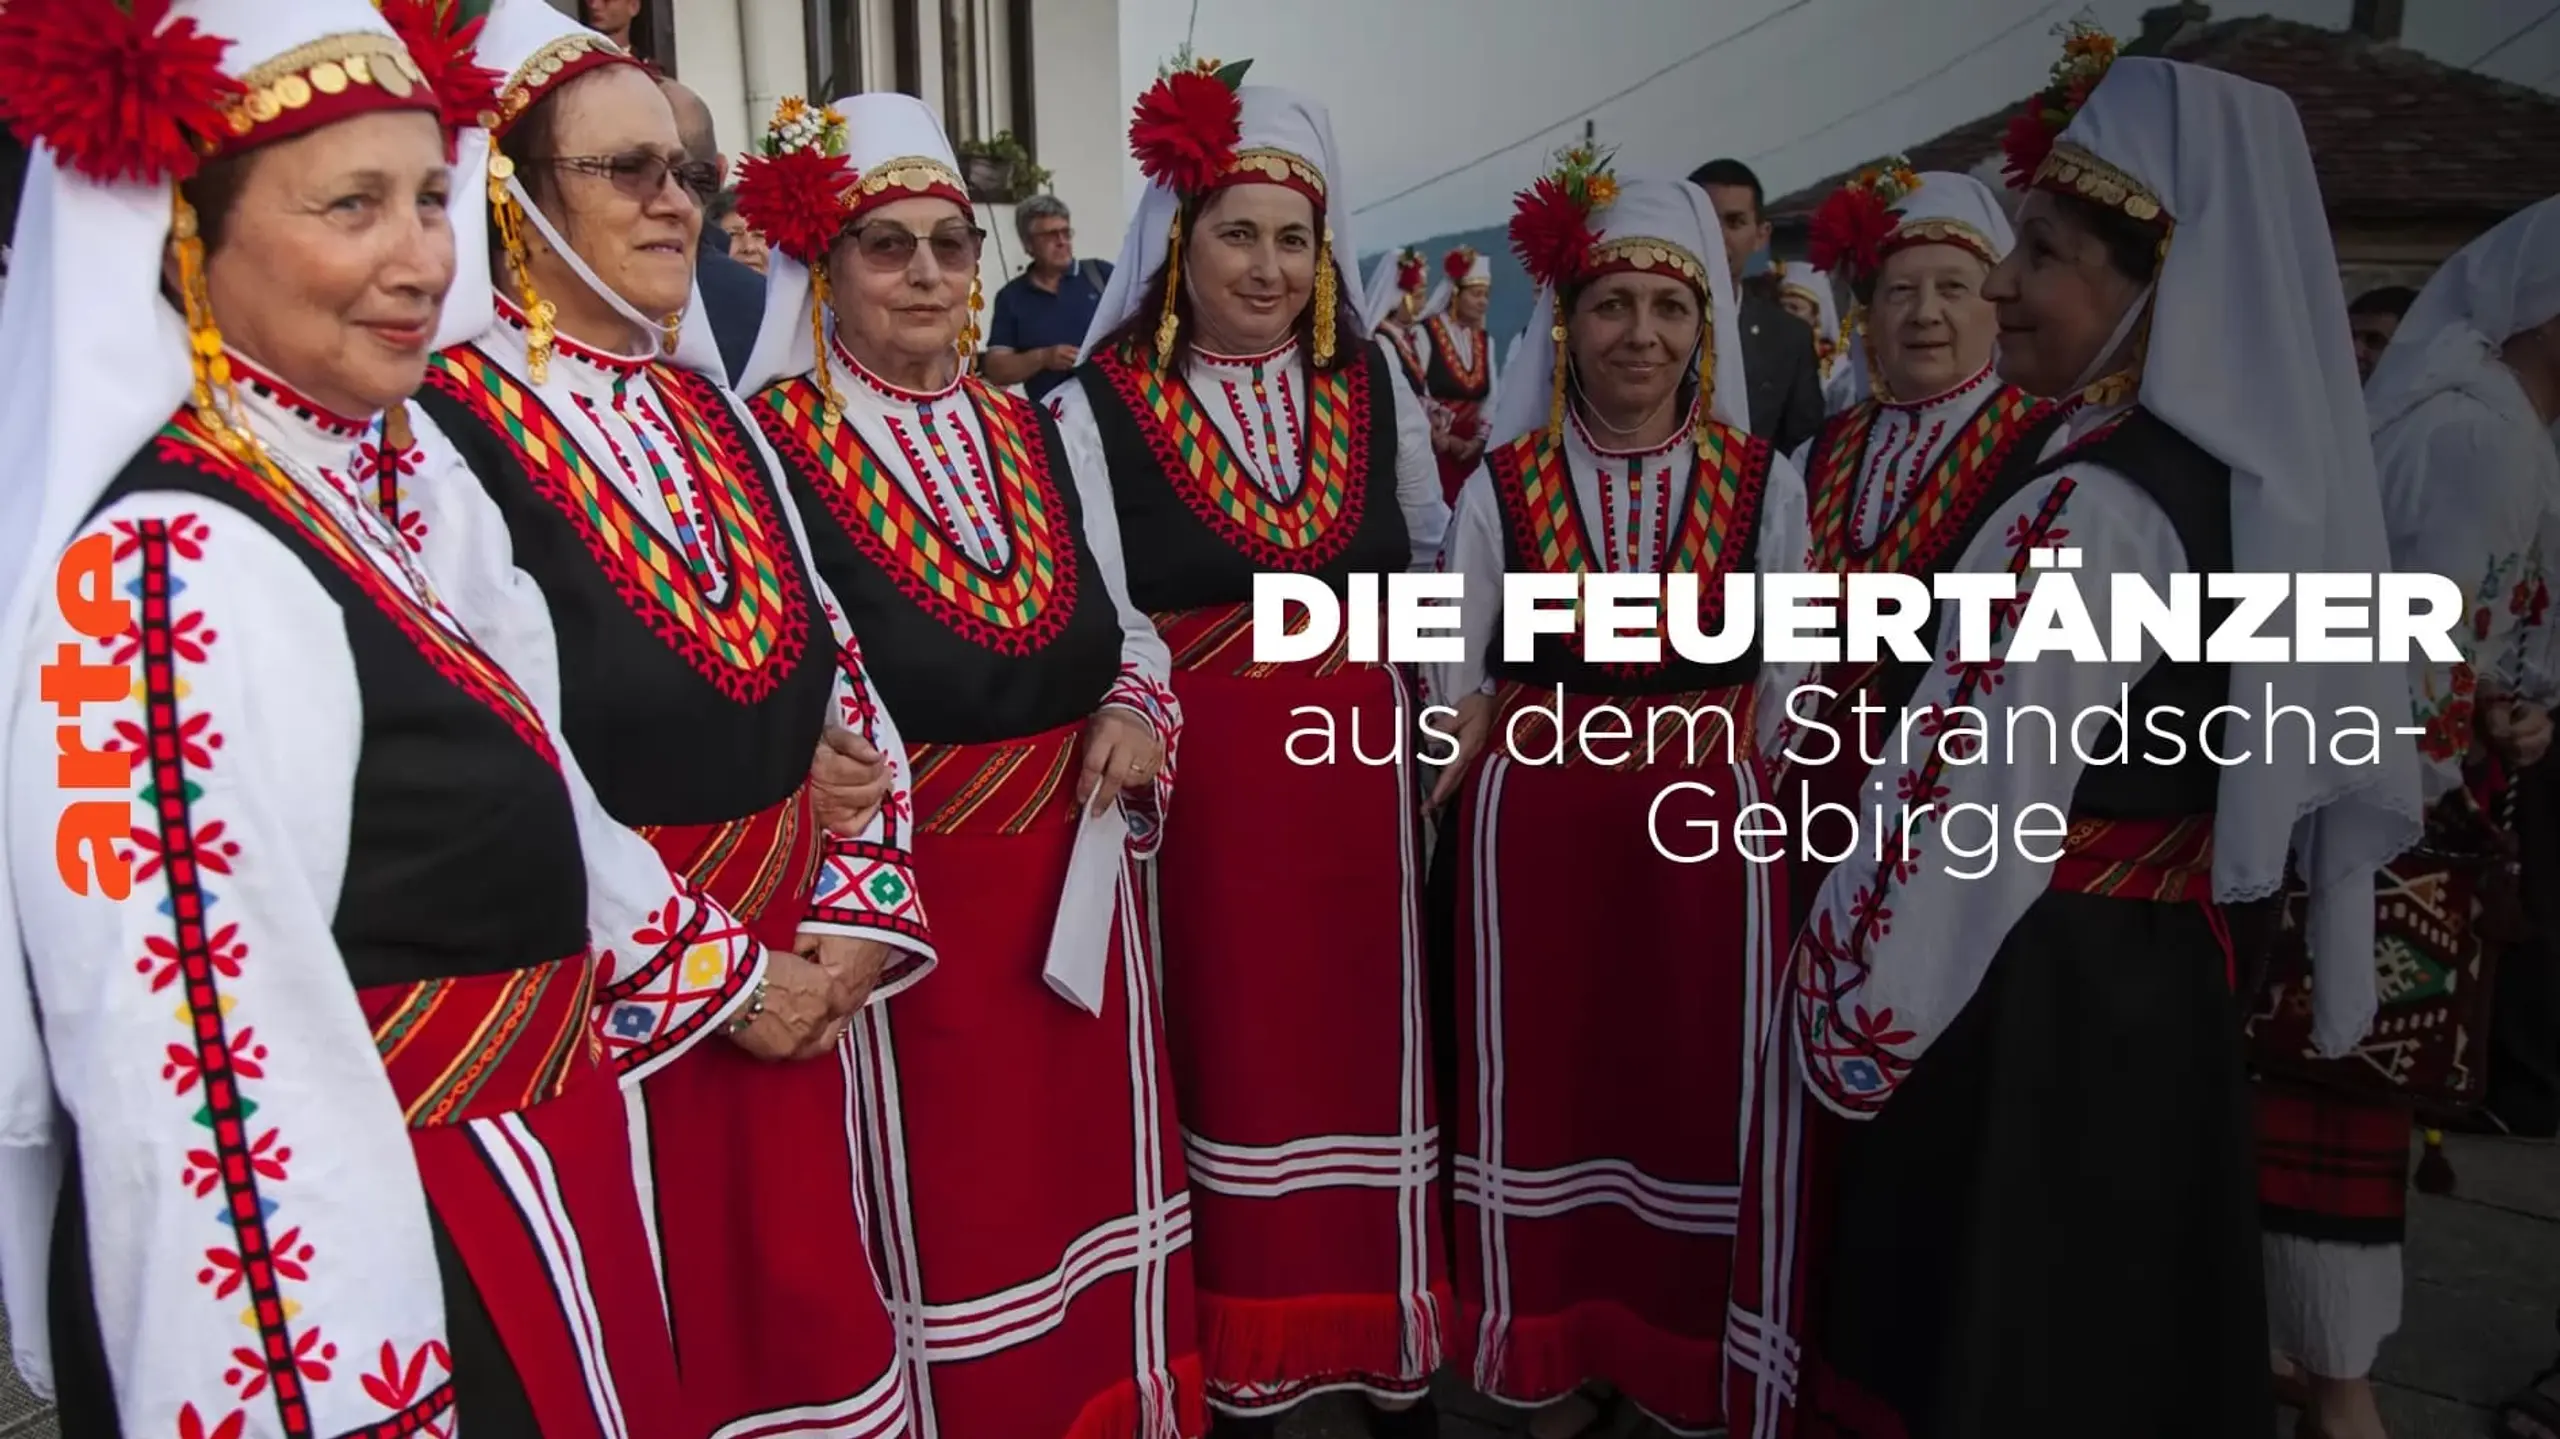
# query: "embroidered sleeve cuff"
{"type": "Point", "coordinates": [867, 890]}
{"type": "Point", "coordinates": [1152, 701]}
{"type": "Point", "coordinates": [677, 978]}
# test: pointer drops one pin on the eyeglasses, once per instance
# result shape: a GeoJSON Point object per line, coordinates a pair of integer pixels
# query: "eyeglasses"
{"type": "Point", "coordinates": [641, 173]}
{"type": "Point", "coordinates": [885, 245]}
{"type": "Point", "coordinates": [1054, 232]}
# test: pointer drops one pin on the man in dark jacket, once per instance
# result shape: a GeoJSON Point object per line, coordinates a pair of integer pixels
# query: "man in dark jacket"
{"type": "Point", "coordinates": [1785, 380]}
{"type": "Point", "coordinates": [732, 294]}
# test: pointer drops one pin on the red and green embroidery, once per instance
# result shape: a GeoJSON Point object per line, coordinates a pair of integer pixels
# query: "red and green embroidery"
{"type": "Point", "coordinates": [1917, 536]}
{"type": "Point", "coordinates": [1302, 533]}
{"type": "Point", "coordinates": [1534, 483]}
{"type": "Point", "coordinates": [1470, 378]}
{"type": "Point", "coordinates": [745, 641]}
{"type": "Point", "coordinates": [1014, 610]}
{"type": "Point", "coordinates": [185, 441]}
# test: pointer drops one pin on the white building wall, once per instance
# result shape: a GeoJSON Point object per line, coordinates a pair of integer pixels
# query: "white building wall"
{"type": "Point", "coordinates": [1080, 116]}
{"type": "Point", "coordinates": [711, 64]}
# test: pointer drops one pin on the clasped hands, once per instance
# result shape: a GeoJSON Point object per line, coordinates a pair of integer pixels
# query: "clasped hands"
{"type": "Point", "coordinates": [813, 990]}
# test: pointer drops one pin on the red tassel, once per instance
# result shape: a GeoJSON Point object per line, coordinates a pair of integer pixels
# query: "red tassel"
{"type": "Point", "coordinates": [2435, 1170]}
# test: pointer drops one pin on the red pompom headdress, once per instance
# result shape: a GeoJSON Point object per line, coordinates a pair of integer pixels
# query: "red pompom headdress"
{"type": "Point", "coordinates": [443, 36]}
{"type": "Point", "coordinates": [1457, 264]}
{"type": "Point", "coordinates": [1186, 127]}
{"type": "Point", "coordinates": [117, 91]}
{"type": "Point", "coordinates": [1854, 223]}
{"type": "Point", "coordinates": [792, 192]}
{"type": "Point", "coordinates": [1551, 222]}
{"type": "Point", "coordinates": [1409, 271]}
{"type": "Point", "coordinates": [2087, 51]}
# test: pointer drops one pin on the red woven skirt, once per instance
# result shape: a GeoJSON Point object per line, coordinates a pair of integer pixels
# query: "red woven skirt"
{"type": "Point", "coordinates": [1033, 1229]}
{"type": "Point", "coordinates": [754, 1170]}
{"type": "Point", "coordinates": [521, 1142]}
{"type": "Point", "coordinates": [1288, 916]}
{"type": "Point", "coordinates": [1610, 1003]}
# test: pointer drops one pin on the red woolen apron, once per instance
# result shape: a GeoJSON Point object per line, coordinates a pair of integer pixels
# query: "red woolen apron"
{"type": "Point", "coordinates": [1033, 1227]}
{"type": "Point", "coordinates": [1287, 905]}
{"type": "Point", "coordinates": [1609, 1007]}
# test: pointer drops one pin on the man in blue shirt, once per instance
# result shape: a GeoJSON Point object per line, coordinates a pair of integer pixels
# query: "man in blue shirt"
{"type": "Point", "coordinates": [1041, 315]}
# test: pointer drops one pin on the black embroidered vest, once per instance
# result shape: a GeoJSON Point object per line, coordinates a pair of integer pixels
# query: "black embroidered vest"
{"type": "Point", "coordinates": [1442, 382]}
{"type": "Point", "coordinates": [1196, 528]}
{"type": "Point", "coordinates": [1717, 532]}
{"type": "Point", "coordinates": [462, 850]}
{"type": "Point", "coordinates": [961, 654]}
{"type": "Point", "coordinates": [682, 708]}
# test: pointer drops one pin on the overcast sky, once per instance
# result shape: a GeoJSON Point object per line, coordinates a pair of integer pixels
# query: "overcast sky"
{"type": "Point", "coordinates": [1798, 88]}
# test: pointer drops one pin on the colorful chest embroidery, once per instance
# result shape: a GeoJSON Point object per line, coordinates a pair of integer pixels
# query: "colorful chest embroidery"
{"type": "Point", "coordinates": [1534, 483]}
{"type": "Point", "coordinates": [1409, 357]}
{"type": "Point", "coordinates": [1468, 378]}
{"type": "Point", "coordinates": [1917, 535]}
{"type": "Point", "coordinates": [1305, 531]}
{"type": "Point", "coordinates": [1013, 610]}
{"type": "Point", "coordinates": [743, 642]}
{"type": "Point", "coordinates": [185, 441]}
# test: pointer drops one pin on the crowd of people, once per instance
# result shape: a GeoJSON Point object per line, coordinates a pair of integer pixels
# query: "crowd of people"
{"type": "Point", "coordinates": [614, 858]}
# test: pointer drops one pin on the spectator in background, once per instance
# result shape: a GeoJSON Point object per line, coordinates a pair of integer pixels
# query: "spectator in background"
{"type": "Point", "coordinates": [612, 18]}
{"type": "Point", "coordinates": [745, 245]}
{"type": "Point", "coordinates": [1782, 377]}
{"type": "Point", "coordinates": [2373, 319]}
{"type": "Point", "coordinates": [732, 293]}
{"type": "Point", "coordinates": [1041, 314]}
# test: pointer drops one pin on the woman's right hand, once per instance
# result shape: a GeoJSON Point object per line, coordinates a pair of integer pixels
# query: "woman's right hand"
{"type": "Point", "coordinates": [799, 1018]}
{"type": "Point", "coordinates": [1475, 722]}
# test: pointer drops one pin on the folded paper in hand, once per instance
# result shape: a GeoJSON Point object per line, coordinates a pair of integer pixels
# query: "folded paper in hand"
{"type": "Point", "coordinates": [1078, 970]}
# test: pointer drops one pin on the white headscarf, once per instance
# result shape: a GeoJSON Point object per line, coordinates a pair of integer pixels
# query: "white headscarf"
{"type": "Point", "coordinates": [1379, 297]}
{"type": "Point", "coordinates": [1678, 216]}
{"type": "Point", "coordinates": [2504, 282]}
{"type": "Point", "coordinates": [1800, 277]}
{"type": "Point", "coordinates": [518, 41]}
{"type": "Point", "coordinates": [1273, 119]}
{"type": "Point", "coordinates": [1946, 208]}
{"type": "Point", "coordinates": [879, 128]}
{"type": "Point", "coordinates": [2249, 358]}
{"type": "Point", "coordinates": [93, 361]}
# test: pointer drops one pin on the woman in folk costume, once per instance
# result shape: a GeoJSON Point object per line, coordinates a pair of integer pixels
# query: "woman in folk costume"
{"type": "Point", "coordinates": [2459, 408]}
{"type": "Point", "coordinates": [1244, 428]}
{"type": "Point", "coordinates": [1393, 306]}
{"type": "Point", "coordinates": [697, 663]}
{"type": "Point", "coordinates": [324, 1039]}
{"type": "Point", "coordinates": [1457, 364]}
{"type": "Point", "coordinates": [1027, 1185]}
{"type": "Point", "coordinates": [1804, 291]}
{"type": "Point", "coordinates": [2049, 1148]}
{"type": "Point", "coordinates": [1597, 977]}
{"type": "Point", "coordinates": [1894, 483]}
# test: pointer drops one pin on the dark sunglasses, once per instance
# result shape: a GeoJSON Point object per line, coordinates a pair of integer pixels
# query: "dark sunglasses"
{"type": "Point", "coordinates": [640, 173]}
{"type": "Point", "coordinates": [887, 245]}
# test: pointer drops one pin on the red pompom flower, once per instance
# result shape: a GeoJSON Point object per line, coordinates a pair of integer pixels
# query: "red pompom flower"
{"type": "Point", "coordinates": [115, 88]}
{"type": "Point", "coordinates": [1409, 271]}
{"type": "Point", "coordinates": [2025, 144]}
{"type": "Point", "coordinates": [1185, 130]}
{"type": "Point", "coordinates": [1848, 232]}
{"type": "Point", "coordinates": [443, 39]}
{"type": "Point", "coordinates": [795, 200]}
{"type": "Point", "coordinates": [1551, 233]}
{"type": "Point", "coordinates": [1457, 264]}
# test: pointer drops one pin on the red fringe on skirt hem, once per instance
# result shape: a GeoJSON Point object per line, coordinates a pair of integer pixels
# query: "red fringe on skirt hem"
{"type": "Point", "coordinates": [1264, 1344]}
{"type": "Point", "coordinates": [1115, 1413]}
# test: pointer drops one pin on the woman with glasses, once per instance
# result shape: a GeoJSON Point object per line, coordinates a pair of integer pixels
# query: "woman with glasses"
{"type": "Point", "coordinates": [1029, 1195]}
{"type": "Point", "coordinates": [698, 662]}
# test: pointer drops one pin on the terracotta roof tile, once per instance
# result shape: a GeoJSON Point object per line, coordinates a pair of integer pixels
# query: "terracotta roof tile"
{"type": "Point", "coordinates": [2392, 132]}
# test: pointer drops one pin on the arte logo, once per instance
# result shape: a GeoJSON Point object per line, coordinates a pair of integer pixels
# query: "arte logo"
{"type": "Point", "coordinates": [84, 591]}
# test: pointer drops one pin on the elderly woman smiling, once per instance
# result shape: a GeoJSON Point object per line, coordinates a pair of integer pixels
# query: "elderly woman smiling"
{"type": "Point", "coordinates": [332, 855]}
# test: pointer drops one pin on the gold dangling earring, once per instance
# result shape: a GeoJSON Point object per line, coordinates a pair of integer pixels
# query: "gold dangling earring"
{"type": "Point", "coordinates": [1706, 401]}
{"type": "Point", "coordinates": [538, 312]}
{"type": "Point", "coordinates": [1555, 401]}
{"type": "Point", "coordinates": [1328, 297]}
{"type": "Point", "coordinates": [1166, 326]}
{"type": "Point", "coordinates": [670, 330]}
{"type": "Point", "coordinates": [821, 297]}
{"type": "Point", "coordinates": [969, 329]}
{"type": "Point", "coordinates": [214, 398]}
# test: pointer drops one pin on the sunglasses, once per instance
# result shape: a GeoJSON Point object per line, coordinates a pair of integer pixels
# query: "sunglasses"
{"type": "Point", "coordinates": [885, 245]}
{"type": "Point", "coordinates": [640, 174]}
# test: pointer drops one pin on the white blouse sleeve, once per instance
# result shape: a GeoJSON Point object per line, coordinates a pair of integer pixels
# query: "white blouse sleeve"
{"type": "Point", "coordinates": [1786, 543]}
{"type": "Point", "coordinates": [1891, 952]}
{"type": "Point", "coordinates": [1145, 686]}
{"type": "Point", "coordinates": [1426, 514]}
{"type": "Point", "coordinates": [673, 963]}
{"type": "Point", "coordinates": [1474, 552]}
{"type": "Point", "coordinates": [241, 1148]}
